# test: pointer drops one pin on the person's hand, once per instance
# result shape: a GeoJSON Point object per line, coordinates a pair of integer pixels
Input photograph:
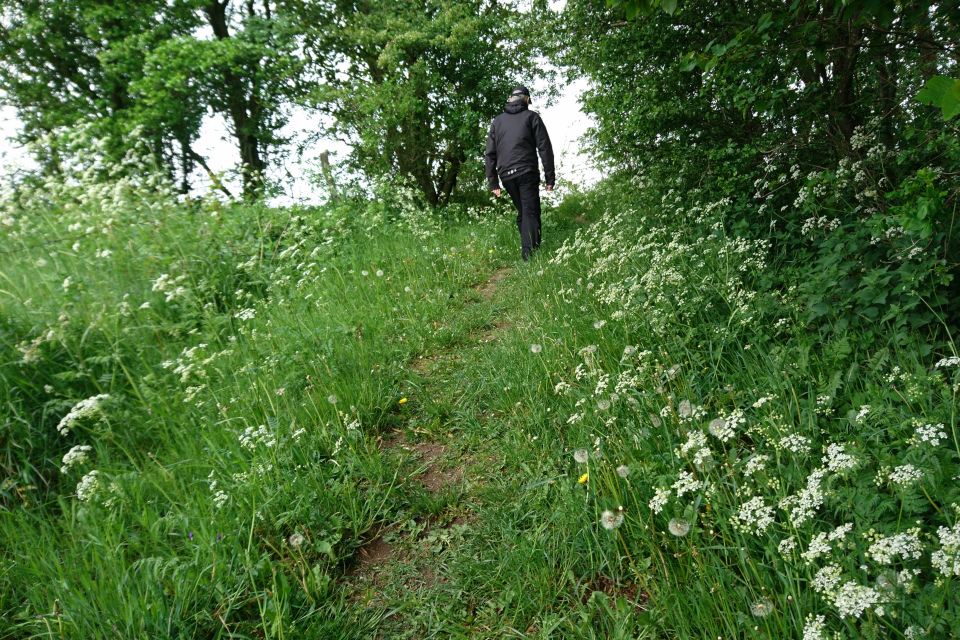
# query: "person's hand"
{"type": "Point", "coordinates": [549, 187]}
{"type": "Point", "coordinates": [496, 192]}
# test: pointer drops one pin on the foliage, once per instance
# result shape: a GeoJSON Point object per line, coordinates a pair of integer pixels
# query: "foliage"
{"type": "Point", "coordinates": [413, 85]}
{"type": "Point", "coordinates": [147, 71]}
{"type": "Point", "coordinates": [186, 387]}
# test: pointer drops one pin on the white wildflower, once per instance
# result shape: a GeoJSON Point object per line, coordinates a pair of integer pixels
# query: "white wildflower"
{"type": "Point", "coordinates": [813, 629]}
{"type": "Point", "coordinates": [904, 545]}
{"type": "Point", "coordinates": [947, 362]}
{"type": "Point", "coordinates": [827, 579]}
{"type": "Point", "coordinates": [947, 558]}
{"type": "Point", "coordinates": [599, 324]}
{"type": "Point", "coordinates": [805, 504]}
{"type": "Point", "coordinates": [853, 599]}
{"type": "Point", "coordinates": [83, 409]}
{"type": "Point", "coordinates": [755, 464]}
{"type": "Point", "coordinates": [76, 456]}
{"type": "Point", "coordinates": [930, 433]}
{"type": "Point", "coordinates": [659, 500]}
{"type": "Point", "coordinates": [906, 475]}
{"type": "Point", "coordinates": [88, 485]}
{"type": "Point", "coordinates": [787, 545]}
{"type": "Point", "coordinates": [686, 483]}
{"type": "Point", "coordinates": [754, 516]}
{"type": "Point", "coordinates": [837, 459]}
{"type": "Point", "coordinates": [796, 443]}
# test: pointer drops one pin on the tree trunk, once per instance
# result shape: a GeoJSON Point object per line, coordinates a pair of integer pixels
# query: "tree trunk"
{"type": "Point", "coordinates": [328, 176]}
{"type": "Point", "coordinates": [243, 109]}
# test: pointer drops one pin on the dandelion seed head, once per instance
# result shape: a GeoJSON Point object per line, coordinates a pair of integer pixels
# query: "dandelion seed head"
{"type": "Point", "coordinates": [332, 399]}
{"type": "Point", "coordinates": [536, 348]}
{"type": "Point", "coordinates": [295, 540]}
{"type": "Point", "coordinates": [623, 471]}
{"type": "Point", "coordinates": [761, 608]}
{"type": "Point", "coordinates": [581, 455]}
{"type": "Point", "coordinates": [603, 404]}
{"type": "Point", "coordinates": [364, 272]}
{"type": "Point", "coordinates": [679, 528]}
{"type": "Point", "coordinates": [379, 273]}
{"type": "Point", "coordinates": [610, 520]}
{"type": "Point", "coordinates": [599, 324]}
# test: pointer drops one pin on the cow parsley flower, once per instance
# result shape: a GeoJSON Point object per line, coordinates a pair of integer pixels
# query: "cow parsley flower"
{"type": "Point", "coordinates": [76, 456]}
{"type": "Point", "coordinates": [930, 433]}
{"type": "Point", "coordinates": [904, 545]}
{"type": "Point", "coordinates": [813, 629]}
{"type": "Point", "coordinates": [659, 500]}
{"type": "Point", "coordinates": [853, 599]}
{"type": "Point", "coordinates": [88, 486]}
{"type": "Point", "coordinates": [755, 464]}
{"type": "Point", "coordinates": [947, 558]}
{"type": "Point", "coordinates": [611, 520]}
{"type": "Point", "coordinates": [754, 516]}
{"type": "Point", "coordinates": [787, 545]}
{"type": "Point", "coordinates": [805, 504]}
{"type": "Point", "coordinates": [906, 475]}
{"type": "Point", "coordinates": [796, 443]}
{"type": "Point", "coordinates": [686, 483]}
{"type": "Point", "coordinates": [83, 409]}
{"type": "Point", "coordinates": [837, 459]}
{"type": "Point", "coordinates": [827, 579]}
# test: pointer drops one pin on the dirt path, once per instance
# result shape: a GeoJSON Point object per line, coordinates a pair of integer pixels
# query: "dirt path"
{"type": "Point", "coordinates": [401, 560]}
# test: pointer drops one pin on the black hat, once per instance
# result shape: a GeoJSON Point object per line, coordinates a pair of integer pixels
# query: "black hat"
{"type": "Point", "coordinates": [520, 91]}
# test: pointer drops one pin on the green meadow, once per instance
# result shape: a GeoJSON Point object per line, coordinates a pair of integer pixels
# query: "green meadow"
{"type": "Point", "coordinates": [367, 420]}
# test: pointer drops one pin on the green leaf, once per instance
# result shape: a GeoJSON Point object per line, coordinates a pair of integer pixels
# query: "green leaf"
{"type": "Point", "coordinates": [933, 90]}
{"type": "Point", "coordinates": [669, 6]}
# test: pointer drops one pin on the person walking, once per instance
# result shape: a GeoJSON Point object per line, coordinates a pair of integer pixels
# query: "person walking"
{"type": "Point", "coordinates": [515, 138]}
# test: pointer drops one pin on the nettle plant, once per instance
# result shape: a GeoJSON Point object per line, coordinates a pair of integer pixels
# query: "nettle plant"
{"type": "Point", "coordinates": [781, 491]}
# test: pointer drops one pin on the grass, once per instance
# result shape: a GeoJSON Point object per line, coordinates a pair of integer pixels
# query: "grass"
{"type": "Point", "coordinates": [298, 445]}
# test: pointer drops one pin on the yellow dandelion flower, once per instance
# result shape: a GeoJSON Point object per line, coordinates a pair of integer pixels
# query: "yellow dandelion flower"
{"type": "Point", "coordinates": [583, 478]}
{"type": "Point", "coordinates": [403, 401]}
{"type": "Point", "coordinates": [491, 251]}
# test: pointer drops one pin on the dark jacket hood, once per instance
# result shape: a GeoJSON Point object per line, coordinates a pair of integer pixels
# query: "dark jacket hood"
{"type": "Point", "coordinates": [515, 107]}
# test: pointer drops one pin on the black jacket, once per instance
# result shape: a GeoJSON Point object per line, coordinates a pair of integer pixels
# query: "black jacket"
{"type": "Point", "coordinates": [516, 136]}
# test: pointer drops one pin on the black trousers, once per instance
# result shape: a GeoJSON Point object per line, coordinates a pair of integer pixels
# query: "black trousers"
{"type": "Point", "coordinates": [524, 190]}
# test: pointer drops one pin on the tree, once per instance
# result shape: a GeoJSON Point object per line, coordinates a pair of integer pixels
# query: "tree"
{"type": "Point", "coordinates": [66, 62]}
{"type": "Point", "coordinates": [413, 84]}
{"type": "Point", "coordinates": [129, 71]}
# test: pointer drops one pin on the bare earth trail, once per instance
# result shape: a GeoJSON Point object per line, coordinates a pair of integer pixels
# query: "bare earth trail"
{"type": "Point", "coordinates": [403, 564]}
